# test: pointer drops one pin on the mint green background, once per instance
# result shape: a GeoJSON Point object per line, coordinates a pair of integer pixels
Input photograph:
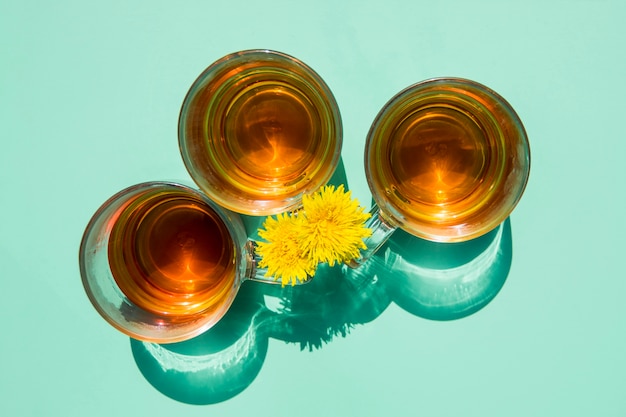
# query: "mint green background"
{"type": "Point", "coordinates": [89, 99]}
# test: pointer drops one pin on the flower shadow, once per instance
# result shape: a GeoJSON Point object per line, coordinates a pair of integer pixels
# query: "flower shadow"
{"type": "Point", "coordinates": [333, 303]}
{"type": "Point", "coordinates": [226, 359]}
{"type": "Point", "coordinates": [222, 362]}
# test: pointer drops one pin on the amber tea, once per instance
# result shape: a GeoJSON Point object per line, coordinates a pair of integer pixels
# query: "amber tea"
{"type": "Point", "coordinates": [162, 263]}
{"type": "Point", "coordinates": [170, 253]}
{"type": "Point", "coordinates": [257, 130]}
{"type": "Point", "coordinates": [447, 160]}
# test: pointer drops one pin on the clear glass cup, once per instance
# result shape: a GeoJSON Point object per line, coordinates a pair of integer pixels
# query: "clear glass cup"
{"type": "Point", "coordinates": [162, 263]}
{"type": "Point", "coordinates": [257, 130]}
{"type": "Point", "coordinates": [446, 160]}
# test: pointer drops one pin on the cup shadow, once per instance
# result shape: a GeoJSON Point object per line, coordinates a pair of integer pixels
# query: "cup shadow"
{"type": "Point", "coordinates": [430, 280]}
{"type": "Point", "coordinates": [445, 281]}
{"type": "Point", "coordinates": [226, 359]}
{"type": "Point", "coordinates": [214, 366]}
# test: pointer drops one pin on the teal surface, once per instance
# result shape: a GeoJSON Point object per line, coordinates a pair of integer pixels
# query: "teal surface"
{"type": "Point", "coordinates": [89, 100]}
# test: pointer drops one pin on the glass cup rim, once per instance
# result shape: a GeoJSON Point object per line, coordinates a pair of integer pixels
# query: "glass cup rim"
{"type": "Point", "coordinates": [260, 207]}
{"type": "Point", "coordinates": [203, 320]}
{"type": "Point", "coordinates": [393, 216]}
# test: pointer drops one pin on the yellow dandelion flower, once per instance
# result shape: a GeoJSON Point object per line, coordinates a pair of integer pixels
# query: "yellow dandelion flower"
{"type": "Point", "coordinates": [330, 228]}
{"type": "Point", "coordinates": [281, 253]}
{"type": "Point", "coordinates": [334, 228]}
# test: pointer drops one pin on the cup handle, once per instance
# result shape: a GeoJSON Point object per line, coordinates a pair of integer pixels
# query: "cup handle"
{"type": "Point", "coordinates": [381, 231]}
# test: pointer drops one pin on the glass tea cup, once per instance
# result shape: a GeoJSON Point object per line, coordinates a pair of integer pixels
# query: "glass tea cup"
{"type": "Point", "coordinates": [163, 263]}
{"type": "Point", "coordinates": [257, 130]}
{"type": "Point", "coordinates": [446, 160]}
